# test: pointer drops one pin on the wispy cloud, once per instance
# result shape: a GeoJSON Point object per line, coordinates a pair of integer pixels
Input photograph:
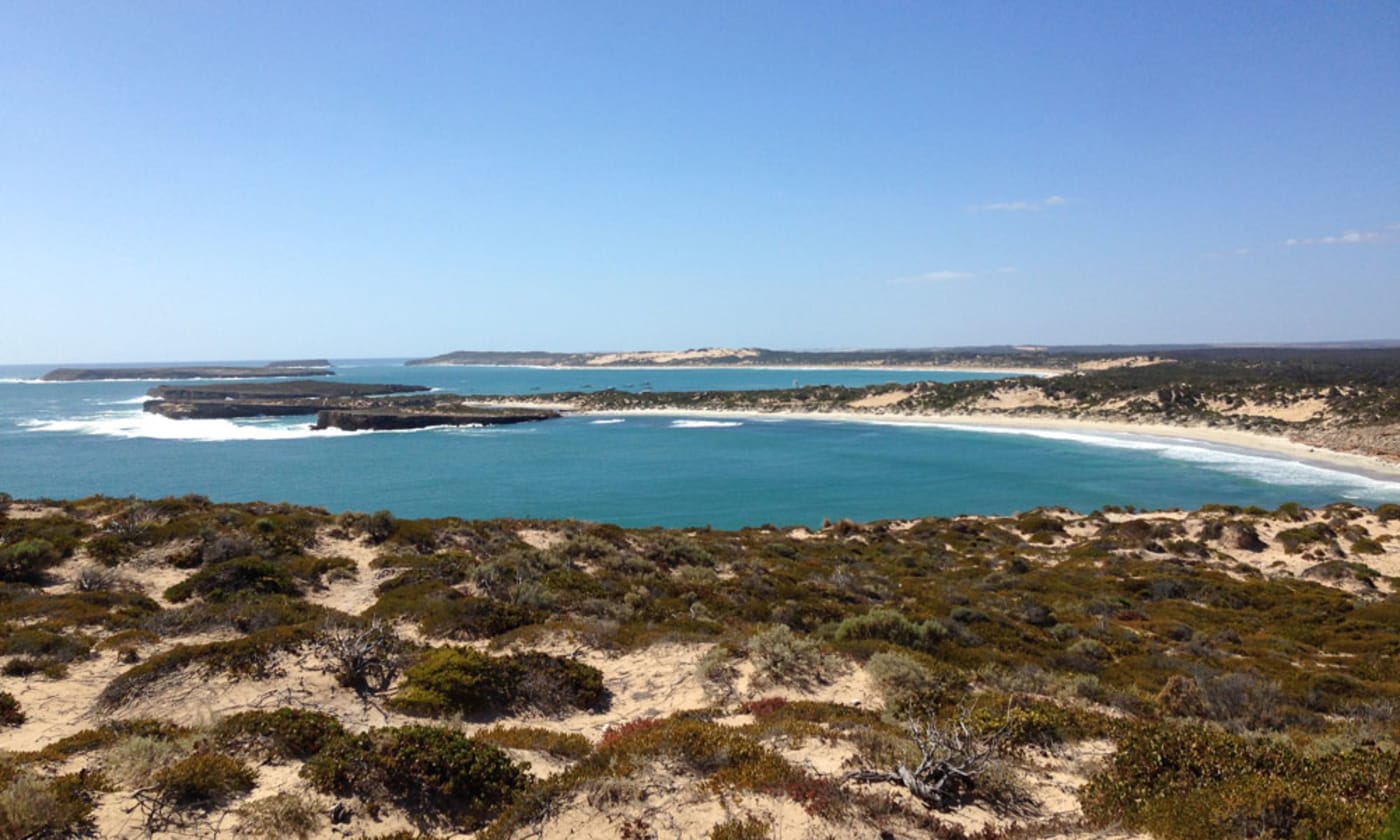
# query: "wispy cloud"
{"type": "Point", "coordinates": [950, 276]}
{"type": "Point", "coordinates": [1386, 233]}
{"type": "Point", "coordinates": [1024, 205]}
{"type": "Point", "coordinates": [1368, 236]}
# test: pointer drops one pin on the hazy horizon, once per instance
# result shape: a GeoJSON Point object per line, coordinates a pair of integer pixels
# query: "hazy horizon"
{"type": "Point", "coordinates": [258, 180]}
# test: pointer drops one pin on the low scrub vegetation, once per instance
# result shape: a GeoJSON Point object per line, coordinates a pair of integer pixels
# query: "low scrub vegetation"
{"type": "Point", "coordinates": [1242, 665]}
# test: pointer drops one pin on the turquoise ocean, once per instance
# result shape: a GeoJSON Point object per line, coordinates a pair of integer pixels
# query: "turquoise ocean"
{"type": "Point", "coordinates": [64, 440]}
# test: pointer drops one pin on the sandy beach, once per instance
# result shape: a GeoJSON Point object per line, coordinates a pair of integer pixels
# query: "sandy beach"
{"type": "Point", "coordinates": [1268, 445]}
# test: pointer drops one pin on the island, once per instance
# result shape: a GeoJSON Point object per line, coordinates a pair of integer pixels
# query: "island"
{"type": "Point", "coordinates": [349, 406]}
{"type": "Point", "coordinates": [278, 369]}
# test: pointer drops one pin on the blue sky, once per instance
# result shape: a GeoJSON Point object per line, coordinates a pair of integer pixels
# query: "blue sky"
{"type": "Point", "coordinates": [254, 180]}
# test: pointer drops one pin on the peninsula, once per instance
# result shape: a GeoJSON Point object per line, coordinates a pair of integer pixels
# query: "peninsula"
{"type": "Point", "coordinates": [981, 358]}
{"type": "Point", "coordinates": [1343, 400]}
{"type": "Point", "coordinates": [277, 369]}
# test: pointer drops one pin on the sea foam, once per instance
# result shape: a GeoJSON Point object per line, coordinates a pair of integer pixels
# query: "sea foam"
{"type": "Point", "coordinates": [156, 427]}
{"type": "Point", "coordinates": [704, 424]}
{"type": "Point", "coordinates": [1259, 467]}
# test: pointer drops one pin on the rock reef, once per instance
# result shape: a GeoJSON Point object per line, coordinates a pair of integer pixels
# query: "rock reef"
{"type": "Point", "coordinates": [337, 405]}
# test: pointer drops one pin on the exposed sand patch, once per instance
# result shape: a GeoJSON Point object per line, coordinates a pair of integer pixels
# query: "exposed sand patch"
{"type": "Point", "coordinates": [1295, 412]}
{"type": "Point", "coordinates": [658, 805]}
{"type": "Point", "coordinates": [1011, 399]}
{"type": "Point", "coordinates": [1123, 362]}
{"type": "Point", "coordinates": [540, 539]}
{"type": "Point", "coordinates": [55, 709]}
{"type": "Point", "coordinates": [882, 400]}
{"type": "Point", "coordinates": [1275, 561]}
{"type": "Point", "coordinates": [665, 357]}
{"type": "Point", "coordinates": [349, 595]}
{"type": "Point", "coordinates": [19, 510]}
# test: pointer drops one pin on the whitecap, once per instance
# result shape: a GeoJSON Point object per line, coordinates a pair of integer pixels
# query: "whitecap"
{"type": "Point", "coordinates": [141, 400]}
{"type": "Point", "coordinates": [608, 421]}
{"type": "Point", "coordinates": [1271, 469]}
{"type": "Point", "coordinates": [156, 427]}
{"type": "Point", "coordinates": [704, 424]}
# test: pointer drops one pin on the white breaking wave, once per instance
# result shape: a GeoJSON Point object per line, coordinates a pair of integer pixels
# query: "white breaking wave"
{"type": "Point", "coordinates": [1266, 468]}
{"type": "Point", "coordinates": [704, 424]}
{"type": "Point", "coordinates": [156, 427]}
{"type": "Point", "coordinates": [142, 400]}
{"type": "Point", "coordinates": [607, 422]}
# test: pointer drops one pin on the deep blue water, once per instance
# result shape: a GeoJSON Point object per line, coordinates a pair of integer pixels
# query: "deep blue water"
{"type": "Point", "coordinates": [76, 439]}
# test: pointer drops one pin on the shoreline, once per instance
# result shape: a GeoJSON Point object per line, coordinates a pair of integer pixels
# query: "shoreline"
{"type": "Point", "coordinates": [1368, 466]}
{"type": "Point", "coordinates": [1020, 371]}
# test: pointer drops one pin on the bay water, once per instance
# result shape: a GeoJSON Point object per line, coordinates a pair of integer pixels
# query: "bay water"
{"type": "Point", "coordinates": [64, 440]}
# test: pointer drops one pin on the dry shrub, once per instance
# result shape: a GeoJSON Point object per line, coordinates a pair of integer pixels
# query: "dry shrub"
{"type": "Point", "coordinates": [275, 817]}
{"type": "Point", "coordinates": [134, 761]}
{"type": "Point", "coordinates": [784, 658]}
{"type": "Point", "coordinates": [32, 806]}
{"type": "Point", "coordinates": [908, 685]}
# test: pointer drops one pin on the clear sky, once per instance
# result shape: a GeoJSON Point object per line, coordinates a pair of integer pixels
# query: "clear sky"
{"type": "Point", "coordinates": [229, 180]}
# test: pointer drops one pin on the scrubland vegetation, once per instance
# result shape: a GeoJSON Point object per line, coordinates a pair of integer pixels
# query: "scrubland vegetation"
{"type": "Point", "coordinates": [1228, 672]}
{"type": "Point", "coordinates": [1339, 399]}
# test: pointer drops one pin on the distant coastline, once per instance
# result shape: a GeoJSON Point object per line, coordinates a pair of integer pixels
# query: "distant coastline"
{"type": "Point", "coordinates": [1270, 445]}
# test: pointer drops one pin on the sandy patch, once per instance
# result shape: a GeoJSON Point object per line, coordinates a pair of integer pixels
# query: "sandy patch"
{"type": "Point", "coordinates": [666, 357]}
{"type": "Point", "coordinates": [658, 805]}
{"type": "Point", "coordinates": [1011, 399]}
{"type": "Point", "coordinates": [540, 539]}
{"type": "Point", "coordinates": [1300, 411]}
{"type": "Point", "coordinates": [882, 400]}
{"type": "Point", "coordinates": [349, 595]}
{"type": "Point", "coordinates": [1123, 362]}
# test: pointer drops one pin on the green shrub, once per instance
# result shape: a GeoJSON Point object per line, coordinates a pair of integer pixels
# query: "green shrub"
{"type": "Point", "coordinates": [421, 768]}
{"type": "Point", "coordinates": [464, 681]}
{"type": "Point", "coordinates": [221, 581]}
{"type": "Point", "coordinates": [25, 561]}
{"type": "Point", "coordinates": [1366, 545]}
{"type": "Point", "coordinates": [1388, 512]}
{"type": "Point", "coordinates": [10, 712]}
{"type": "Point", "coordinates": [1192, 782]}
{"type": "Point", "coordinates": [1391, 830]}
{"type": "Point", "coordinates": [245, 613]}
{"type": "Point", "coordinates": [566, 745]}
{"type": "Point", "coordinates": [1295, 539]}
{"type": "Point", "coordinates": [203, 778]}
{"type": "Point", "coordinates": [455, 679]}
{"type": "Point", "coordinates": [555, 684]}
{"type": "Point", "coordinates": [891, 626]}
{"type": "Point", "coordinates": [441, 610]}
{"type": "Point", "coordinates": [278, 734]}
{"type": "Point", "coordinates": [42, 644]}
{"type": "Point", "coordinates": [749, 828]}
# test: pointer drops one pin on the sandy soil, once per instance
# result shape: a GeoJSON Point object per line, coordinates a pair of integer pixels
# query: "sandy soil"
{"type": "Point", "coordinates": [666, 357]}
